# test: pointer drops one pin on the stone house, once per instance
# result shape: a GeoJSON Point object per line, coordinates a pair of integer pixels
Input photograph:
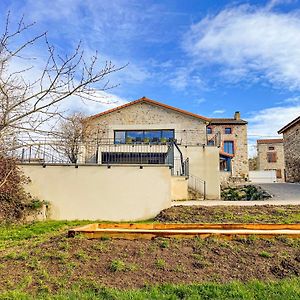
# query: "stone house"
{"type": "Point", "coordinates": [270, 156]}
{"type": "Point", "coordinates": [145, 132]}
{"type": "Point", "coordinates": [291, 145]}
{"type": "Point", "coordinates": [231, 135]}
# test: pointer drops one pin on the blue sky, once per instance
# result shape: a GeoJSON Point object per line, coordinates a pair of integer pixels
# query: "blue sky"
{"type": "Point", "coordinates": [209, 57]}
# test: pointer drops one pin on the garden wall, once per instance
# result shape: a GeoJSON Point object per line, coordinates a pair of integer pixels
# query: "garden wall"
{"type": "Point", "coordinates": [119, 193]}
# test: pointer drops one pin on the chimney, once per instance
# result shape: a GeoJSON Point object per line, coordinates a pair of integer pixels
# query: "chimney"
{"type": "Point", "coordinates": [237, 115]}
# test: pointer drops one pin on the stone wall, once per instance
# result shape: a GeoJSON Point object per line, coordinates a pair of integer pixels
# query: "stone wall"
{"type": "Point", "coordinates": [262, 158]}
{"type": "Point", "coordinates": [240, 166]}
{"type": "Point", "coordinates": [188, 129]}
{"type": "Point", "coordinates": [291, 142]}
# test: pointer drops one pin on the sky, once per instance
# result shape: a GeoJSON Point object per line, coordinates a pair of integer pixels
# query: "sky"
{"type": "Point", "coordinates": [208, 57]}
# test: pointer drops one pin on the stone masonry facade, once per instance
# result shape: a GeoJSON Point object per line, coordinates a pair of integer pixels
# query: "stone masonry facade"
{"type": "Point", "coordinates": [240, 166]}
{"type": "Point", "coordinates": [143, 116]}
{"type": "Point", "coordinates": [270, 156]}
{"type": "Point", "coordinates": [291, 138]}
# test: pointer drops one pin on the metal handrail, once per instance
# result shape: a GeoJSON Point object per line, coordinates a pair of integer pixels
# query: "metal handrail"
{"type": "Point", "coordinates": [196, 183]}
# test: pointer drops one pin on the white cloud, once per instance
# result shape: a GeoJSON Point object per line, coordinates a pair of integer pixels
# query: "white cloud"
{"type": "Point", "coordinates": [292, 100]}
{"type": "Point", "coordinates": [274, 3]}
{"type": "Point", "coordinates": [102, 101]}
{"type": "Point", "coordinates": [265, 123]}
{"type": "Point", "coordinates": [200, 101]}
{"type": "Point", "coordinates": [249, 43]}
{"type": "Point", "coordinates": [220, 111]}
{"type": "Point", "coordinates": [184, 77]}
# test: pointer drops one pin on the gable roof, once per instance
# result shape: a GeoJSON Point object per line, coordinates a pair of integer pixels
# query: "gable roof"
{"type": "Point", "coordinates": [269, 141]}
{"type": "Point", "coordinates": [219, 121]}
{"type": "Point", "coordinates": [149, 101]}
{"type": "Point", "coordinates": [289, 125]}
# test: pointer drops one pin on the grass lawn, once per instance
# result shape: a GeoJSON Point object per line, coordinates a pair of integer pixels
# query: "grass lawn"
{"type": "Point", "coordinates": [38, 261]}
{"type": "Point", "coordinates": [286, 289]}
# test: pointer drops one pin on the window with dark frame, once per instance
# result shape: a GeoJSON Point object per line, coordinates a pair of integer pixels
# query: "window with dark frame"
{"type": "Point", "coordinates": [208, 130]}
{"type": "Point", "coordinates": [229, 147]}
{"type": "Point", "coordinates": [271, 148]}
{"type": "Point", "coordinates": [143, 136]}
{"type": "Point", "coordinates": [228, 130]}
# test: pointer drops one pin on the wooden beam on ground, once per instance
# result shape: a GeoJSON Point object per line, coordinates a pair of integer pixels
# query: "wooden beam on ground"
{"type": "Point", "coordinates": [134, 231]}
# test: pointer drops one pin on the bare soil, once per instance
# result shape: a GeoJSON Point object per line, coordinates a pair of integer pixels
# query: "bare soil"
{"type": "Point", "coordinates": [231, 214]}
{"type": "Point", "coordinates": [61, 262]}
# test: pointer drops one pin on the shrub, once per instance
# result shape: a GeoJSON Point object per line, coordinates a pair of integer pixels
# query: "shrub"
{"type": "Point", "coordinates": [15, 202]}
{"type": "Point", "coordinates": [246, 192]}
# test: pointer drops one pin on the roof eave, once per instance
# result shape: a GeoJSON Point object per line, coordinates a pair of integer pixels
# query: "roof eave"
{"type": "Point", "coordinates": [286, 127]}
{"type": "Point", "coordinates": [153, 102]}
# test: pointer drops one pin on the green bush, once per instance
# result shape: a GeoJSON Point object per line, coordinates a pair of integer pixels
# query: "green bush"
{"type": "Point", "coordinates": [245, 192]}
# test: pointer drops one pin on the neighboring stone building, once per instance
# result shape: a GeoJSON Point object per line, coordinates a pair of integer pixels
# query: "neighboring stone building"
{"type": "Point", "coordinates": [231, 135]}
{"type": "Point", "coordinates": [291, 144]}
{"type": "Point", "coordinates": [270, 156]}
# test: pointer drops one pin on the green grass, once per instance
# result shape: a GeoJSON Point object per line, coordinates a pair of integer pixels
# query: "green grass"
{"type": "Point", "coordinates": [117, 265]}
{"type": "Point", "coordinates": [160, 264]}
{"type": "Point", "coordinates": [19, 232]}
{"type": "Point", "coordinates": [265, 254]}
{"type": "Point", "coordinates": [14, 234]}
{"type": "Point", "coordinates": [285, 289]}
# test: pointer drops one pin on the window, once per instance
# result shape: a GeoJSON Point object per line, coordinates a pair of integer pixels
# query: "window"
{"type": "Point", "coordinates": [228, 130]}
{"type": "Point", "coordinates": [229, 147]}
{"type": "Point", "coordinates": [134, 136]}
{"type": "Point", "coordinates": [271, 148]}
{"type": "Point", "coordinates": [119, 137]}
{"type": "Point", "coordinates": [272, 157]}
{"type": "Point", "coordinates": [167, 134]}
{"type": "Point", "coordinates": [209, 130]}
{"type": "Point", "coordinates": [143, 136]}
{"type": "Point", "coordinates": [211, 143]}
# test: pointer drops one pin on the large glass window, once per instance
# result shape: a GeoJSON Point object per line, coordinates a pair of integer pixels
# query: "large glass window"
{"type": "Point", "coordinates": [229, 147]}
{"type": "Point", "coordinates": [119, 137]}
{"type": "Point", "coordinates": [152, 136]}
{"type": "Point", "coordinates": [143, 136]}
{"type": "Point", "coordinates": [167, 134]}
{"type": "Point", "coordinates": [134, 136]}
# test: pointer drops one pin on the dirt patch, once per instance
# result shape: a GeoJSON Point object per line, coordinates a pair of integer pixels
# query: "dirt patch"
{"type": "Point", "coordinates": [60, 262]}
{"type": "Point", "coordinates": [231, 214]}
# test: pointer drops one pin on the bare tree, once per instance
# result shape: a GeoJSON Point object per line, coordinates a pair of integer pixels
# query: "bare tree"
{"type": "Point", "coordinates": [28, 107]}
{"type": "Point", "coordinates": [71, 132]}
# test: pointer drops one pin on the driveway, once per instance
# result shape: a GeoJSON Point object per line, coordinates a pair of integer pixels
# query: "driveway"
{"type": "Point", "coordinates": [283, 194]}
{"type": "Point", "coordinates": [282, 191]}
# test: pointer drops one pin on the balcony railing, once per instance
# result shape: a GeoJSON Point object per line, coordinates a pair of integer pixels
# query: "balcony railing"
{"type": "Point", "coordinates": [102, 153]}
